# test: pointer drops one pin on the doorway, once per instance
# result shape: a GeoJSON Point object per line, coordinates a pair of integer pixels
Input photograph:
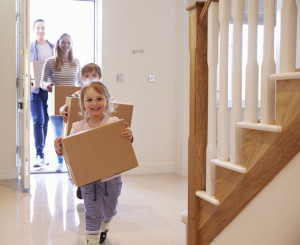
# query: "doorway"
{"type": "Point", "coordinates": [78, 18]}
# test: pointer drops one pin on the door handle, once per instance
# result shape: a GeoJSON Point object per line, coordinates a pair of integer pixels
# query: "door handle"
{"type": "Point", "coordinates": [32, 80]}
{"type": "Point", "coordinates": [20, 105]}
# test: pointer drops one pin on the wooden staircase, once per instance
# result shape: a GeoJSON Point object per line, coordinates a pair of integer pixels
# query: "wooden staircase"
{"type": "Point", "coordinates": [264, 153]}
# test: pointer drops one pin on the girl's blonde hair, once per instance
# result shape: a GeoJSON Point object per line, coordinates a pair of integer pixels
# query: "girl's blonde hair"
{"type": "Point", "coordinates": [89, 68]}
{"type": "Point", "coordinates": [101, 89]}
{"type": "Point", "coordinates": [58, 59]}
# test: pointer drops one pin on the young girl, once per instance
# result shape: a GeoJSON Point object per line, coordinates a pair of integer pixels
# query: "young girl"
{"type": "Point", "coordinates": [100, 198]}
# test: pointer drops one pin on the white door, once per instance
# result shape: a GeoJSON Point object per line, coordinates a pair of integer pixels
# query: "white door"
{"type": "Point", "coordinates": [23, 91]}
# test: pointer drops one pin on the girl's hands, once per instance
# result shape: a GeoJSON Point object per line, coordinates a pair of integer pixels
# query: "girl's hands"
{"type": "Point", "coordinates": [58, 146]}
{"type": "Point", "coordinates": [127, 133]}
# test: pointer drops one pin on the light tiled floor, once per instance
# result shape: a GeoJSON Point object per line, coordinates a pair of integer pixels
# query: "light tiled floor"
{"type": "Point", "coordinates": [148, 212]}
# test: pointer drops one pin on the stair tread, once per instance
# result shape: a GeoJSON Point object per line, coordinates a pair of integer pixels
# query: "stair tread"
{"type": "Point", "coordinates": [260, 126]}
{"type": "Point", "coordinates": [204, 195]}
{"type": "Point", "coordinates": [228, 165]}
{"type": "Point", "coordinates": [285, 75]}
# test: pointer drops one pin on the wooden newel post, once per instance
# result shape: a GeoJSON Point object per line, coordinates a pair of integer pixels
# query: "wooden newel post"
{"type": "Point", "coordinates": [198, 117]}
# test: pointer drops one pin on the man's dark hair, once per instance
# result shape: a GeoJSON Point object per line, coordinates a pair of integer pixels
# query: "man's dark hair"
{"type": "Point", "coordinates": [38, 20]}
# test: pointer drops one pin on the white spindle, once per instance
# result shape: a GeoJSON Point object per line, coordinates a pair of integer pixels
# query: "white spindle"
{"type": "Point", "coordinates": [288, 36]}
{"type": "Point", "coordinates": [251, 100]}
{"type": "Point", "coordinates": [212, 60]}
{"type": "Point", "coordinates": [268, 65]}
{"type": "Point", "coordinates": [238, 10]}
{"type": "Point", "coordinates": [223, 117]}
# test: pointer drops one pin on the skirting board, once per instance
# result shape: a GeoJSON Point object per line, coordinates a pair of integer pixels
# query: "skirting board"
{"type": "Point", "coordinates": [153, 168]}
{"type": "Point", "coordinates": [8, 174]}
{"type": "Point", "coordinates": [143, 168]}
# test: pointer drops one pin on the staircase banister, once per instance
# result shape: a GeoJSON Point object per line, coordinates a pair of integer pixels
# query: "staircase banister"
{"type": "Point", "coordinates": [198, 117]}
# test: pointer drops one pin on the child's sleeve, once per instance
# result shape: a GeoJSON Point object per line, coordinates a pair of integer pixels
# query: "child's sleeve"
{"type": "Point", "coordinates": [113, 119]}
{"type": "Point", "coordinates": [74, 129]}
{"type": "Point", "coordinates": [76, 94]}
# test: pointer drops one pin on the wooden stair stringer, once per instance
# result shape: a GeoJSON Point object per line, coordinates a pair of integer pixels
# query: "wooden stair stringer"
{"type": "Point", "coordinates": [241, 189]}
{"type": "Point", "coordinates": [227, 180]}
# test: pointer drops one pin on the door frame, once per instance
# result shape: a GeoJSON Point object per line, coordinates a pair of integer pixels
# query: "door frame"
{"type": "Point", "coordinates": [23, 90]}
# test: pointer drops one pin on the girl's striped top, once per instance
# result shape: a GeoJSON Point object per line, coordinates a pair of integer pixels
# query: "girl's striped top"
{"type": "Point", "coordinates": [67, 76]}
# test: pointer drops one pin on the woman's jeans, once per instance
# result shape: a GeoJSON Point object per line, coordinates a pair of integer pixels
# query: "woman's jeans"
{"type": "Point", "coordinates": [57, 124]}
{"type": "Point", "coordinates": [38, 107]}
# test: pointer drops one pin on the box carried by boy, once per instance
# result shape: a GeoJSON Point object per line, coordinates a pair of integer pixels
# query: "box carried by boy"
{"type": "Point", "coordinates": [98, 153]}
{"type": "Point", "coordinates": [57, 97]}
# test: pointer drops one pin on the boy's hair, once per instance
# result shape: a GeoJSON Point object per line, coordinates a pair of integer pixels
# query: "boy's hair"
{"type": "Point", "coordinates": [38, 20]}
{"type": "Point", "coordinates": [58, 59]}
{"type": "Point", "coordinates": [101, 89]}
{"type": "Point", "coordinates": [89, 68]}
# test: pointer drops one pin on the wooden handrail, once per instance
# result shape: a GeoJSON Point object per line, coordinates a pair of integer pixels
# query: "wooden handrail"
{"type": "Point", "coordinates": [203, 15]}
{"type": "Point", "coordinates": [193, 6]}
{"type": "Point", "coordinates": [204, 12]}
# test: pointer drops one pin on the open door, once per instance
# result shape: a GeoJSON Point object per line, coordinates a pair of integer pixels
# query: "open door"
{"type": "Point", "coordinates": [23, 91]}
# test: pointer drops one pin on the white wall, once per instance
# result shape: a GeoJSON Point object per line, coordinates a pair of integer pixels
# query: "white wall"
{"type": "Point", "coordinates": [273, 217]}
{"type": "Point", "coordinates": [7, 90]}
{"type": "Point", "coordinates": [159, 27]}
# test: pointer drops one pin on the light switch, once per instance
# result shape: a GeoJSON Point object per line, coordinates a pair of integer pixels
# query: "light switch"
{"type": "Point", "coordinates": [120, 78]}
{"type": "Point", "coordinates": [151, 78]}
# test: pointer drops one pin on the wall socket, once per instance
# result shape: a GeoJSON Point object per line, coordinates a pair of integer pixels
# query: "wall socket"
{"type": "Point", "coordinates": [120, 78]}
{"type": "Point", "coordinates": [151, 78]}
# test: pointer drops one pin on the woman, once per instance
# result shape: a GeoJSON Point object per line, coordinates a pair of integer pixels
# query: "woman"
{"type": "Point", "coordinates": [63, 69]}
{"type": "Point", "coordinates": [40, 49]}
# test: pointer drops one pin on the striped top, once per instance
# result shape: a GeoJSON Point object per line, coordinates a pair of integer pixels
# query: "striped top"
{"type": "Point", "coordinates": [68, 76]}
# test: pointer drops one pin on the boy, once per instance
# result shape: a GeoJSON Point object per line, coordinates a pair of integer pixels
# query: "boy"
{"type": "Point", "coordinates": [90, 72]}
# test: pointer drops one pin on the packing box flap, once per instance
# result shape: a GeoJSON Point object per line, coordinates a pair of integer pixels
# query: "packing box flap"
{"type": "Point", "coordinates": [122, 111]}
{"type": "Point", "coordinates": [74, 114]}
{"type": "Point", "coordinates": [57, 98]}
{"type": "Point", "coordinates": [98, 154]}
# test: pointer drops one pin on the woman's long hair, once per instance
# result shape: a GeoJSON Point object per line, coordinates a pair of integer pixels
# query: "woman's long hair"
{"type": "Point", "coordinates": [58, 59]}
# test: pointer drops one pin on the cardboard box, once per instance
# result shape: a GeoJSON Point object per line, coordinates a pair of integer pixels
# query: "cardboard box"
{"type": "Point", "coordinates": [57, 97]}
{"type": "Point", "coordinates": [123, 111]}
{"type": "Point", "coordinates": [74, 115]}
{"type": "Point", "coordinates": [36, 70]}
{"type": "Point", "coordinates": [98, 154]}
